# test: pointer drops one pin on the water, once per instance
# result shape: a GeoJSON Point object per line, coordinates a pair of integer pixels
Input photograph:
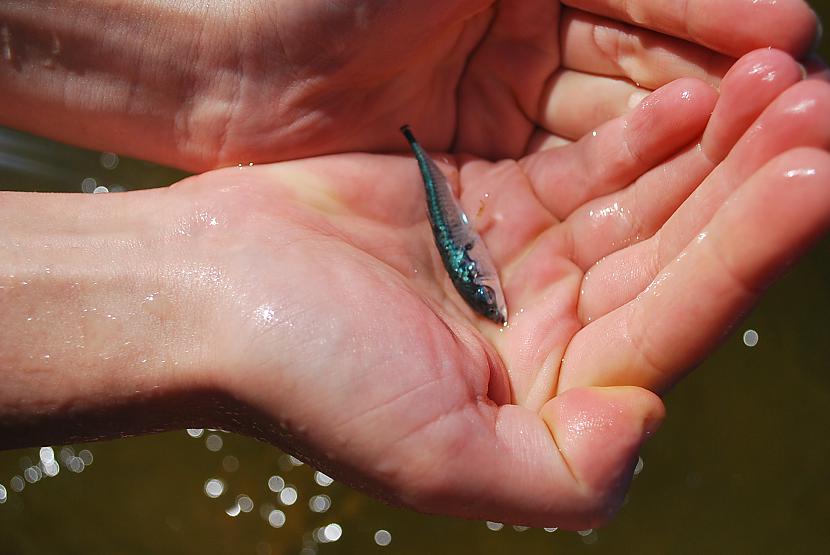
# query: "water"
{"type": "Point", "coordinates": [740, 466]}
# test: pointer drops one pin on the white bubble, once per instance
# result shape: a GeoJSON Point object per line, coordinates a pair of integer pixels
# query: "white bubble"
{"type": "Point", "coordinates": [322, 479]}
{"type": "Point", "coordinates": [76, 464]}
{"type": "Point", "coordinates": [17, 484]}
{"type": "Point", "coordinates": [3, 494]}
{"type": "Point", "coordinates": [233, 510]}
{"type": "Point", "coordinates": [192, 432]}
{"type": "Point", "coordinates": [214, 488]}
{"type": "Point", "coordinates": [332, 532]}
{"type": "Point", "coordinates": [245, 503]}
{"type": "Point", "coordinates": [750, 338]}
{"type": "Point", "coordinates": [295, 461]}
{"type": "Point", "coordinates": [276, 518]}
{"type": "Point", "coordinates": [288, 496]}
{"type": "Point", "coordinates": [109, 160]}
{"type": "Point", "coordinates": [276, 483]}
{"type": "Point", "coordinates": [383, 538]}
{"type": "Point", "coordinates": [66, 454]}
{"type": "Point", "coordinates": [213, 442]}
{"type": "Point", "coordinates": [100, 189]}
{"type": "Point", "coordinates": [584, 533]}
{"type": "Point", "coordinates": [521, 528]}
{"type": "Point", "coordinates": [494, 526]}
{"type": "Point", "coordinates": [46, 454]}
{"type": "Point", "coordinates": [551, 529]}
{"type": "Point", "coordinates": [86, 456]}
{"type": "Point", "coordinates": [319, 503]}
{"type": "Point", "coordinates": [88, 184]}
{"type": "Point", "coordinates": [51, 468]}
{"type": "Point", "coordinates": [32, 474]}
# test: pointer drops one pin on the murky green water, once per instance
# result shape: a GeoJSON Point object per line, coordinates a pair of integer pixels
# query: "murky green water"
{"type": "Point", "coordinates": [742, 465]}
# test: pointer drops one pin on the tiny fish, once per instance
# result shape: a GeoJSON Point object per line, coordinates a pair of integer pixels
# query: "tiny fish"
{"type": "Point", "coordinates": [464, 254]}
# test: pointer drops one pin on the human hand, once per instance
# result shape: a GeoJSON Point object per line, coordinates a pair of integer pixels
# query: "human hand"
{"type": "Point", "coordinates": [212, 84]}
{"type": "Point", "coordinates": [625, 257]}
{"type": "Point", "coordinates": [493, 79]}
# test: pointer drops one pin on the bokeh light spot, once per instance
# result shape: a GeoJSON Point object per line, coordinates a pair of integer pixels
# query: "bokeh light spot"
{"type": "Point", "coordinates": [383, 538]}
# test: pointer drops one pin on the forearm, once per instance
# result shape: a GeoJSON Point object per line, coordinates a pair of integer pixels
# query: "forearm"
{"type": "Point", "coordinates": [98, 334]}
{"type": "Point", "coordinates": [128, 76]}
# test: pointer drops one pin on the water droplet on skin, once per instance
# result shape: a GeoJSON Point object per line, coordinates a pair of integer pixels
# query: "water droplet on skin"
{"type": "Point", "coordinates": [801, 172]}
{"type": "Point", "coordinates": [265, 314]}
{"type": "Point", "coordinates": [801, 107]}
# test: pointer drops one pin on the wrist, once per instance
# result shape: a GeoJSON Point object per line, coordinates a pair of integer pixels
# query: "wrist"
{"type": "Point", "coordinates": [100, 335]}
{"type": "Point", "coordinates": [136, 78]}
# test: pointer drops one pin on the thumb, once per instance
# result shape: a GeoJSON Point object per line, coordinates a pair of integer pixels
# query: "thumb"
{"type": "Point", "coordinates": [568, 465]}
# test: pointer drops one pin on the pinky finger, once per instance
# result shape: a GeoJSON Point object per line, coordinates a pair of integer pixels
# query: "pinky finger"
{"type": "Point", "coordinates": [654, 339]}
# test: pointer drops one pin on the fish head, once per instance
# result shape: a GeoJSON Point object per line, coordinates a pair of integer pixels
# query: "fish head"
{"type": "Point", "coordinates": [485, 301]}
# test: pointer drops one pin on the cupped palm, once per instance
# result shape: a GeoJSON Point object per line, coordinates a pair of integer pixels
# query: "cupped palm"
{"type": "Point", "coordinates": [339, 330]}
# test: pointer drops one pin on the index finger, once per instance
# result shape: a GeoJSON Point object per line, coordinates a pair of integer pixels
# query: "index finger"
{"type": "Point", "coordinates": [788, 25]}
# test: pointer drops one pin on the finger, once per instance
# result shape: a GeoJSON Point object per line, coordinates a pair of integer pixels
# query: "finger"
{"type": "Point", "coordinates": [568, 468]}
{"type": "Point", "coordinates": [602, 46]}
{"type": "Point", "coordinates": [499, 201]}
{"type": "Point", "coordinates": [543, 140]}
{"type": "Point", "coordinates": [653, 340]}
{"type": "Point", "coordinates": [622, 149]}
{"type": "Point", "coordinates": [732, 28]}
{"type": "Point", "coordinates": [753, 82]}
{"type": "Point", "coordinates": [574, 103]}
{"type": "Point", "coordinates": [798, 117]}
{"type": "Point", "coordinates": [633, 214]}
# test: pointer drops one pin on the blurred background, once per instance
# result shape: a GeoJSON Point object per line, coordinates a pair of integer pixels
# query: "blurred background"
{"type": "Point", "coordinates": [742, 464]}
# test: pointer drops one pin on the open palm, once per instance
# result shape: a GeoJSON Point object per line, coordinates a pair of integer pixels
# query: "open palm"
{"type": "Point", "coordinates": [624, 258]}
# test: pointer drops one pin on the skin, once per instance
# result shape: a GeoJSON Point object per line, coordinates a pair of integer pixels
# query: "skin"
{"type": "Point", "coordinates": [200, 85]}
{"type": "Point", "coordinates": [276, 301]}
{"type": "Point", "coordinates": [304, 302]}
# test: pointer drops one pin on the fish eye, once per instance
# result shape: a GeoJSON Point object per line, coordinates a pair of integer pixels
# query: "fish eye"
{"type": "Point", "coordinates": [486, 296]}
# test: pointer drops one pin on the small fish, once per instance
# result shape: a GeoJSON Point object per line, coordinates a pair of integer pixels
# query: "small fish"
{"type": "Point", "coordinates": [464, 254]}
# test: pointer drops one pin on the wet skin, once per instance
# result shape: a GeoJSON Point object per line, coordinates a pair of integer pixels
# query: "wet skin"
{"type": "Point", "coordinates": [495, 79]}
{"type": "Point", "coordinates": [339, 336]}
